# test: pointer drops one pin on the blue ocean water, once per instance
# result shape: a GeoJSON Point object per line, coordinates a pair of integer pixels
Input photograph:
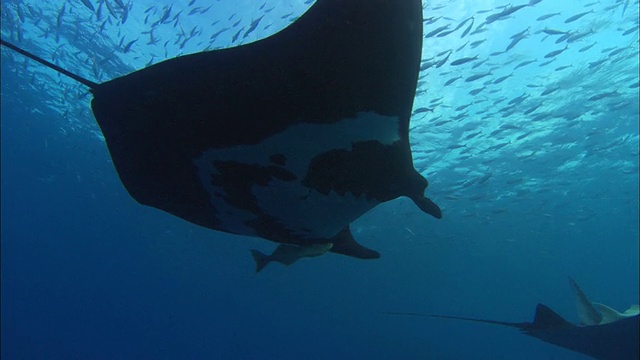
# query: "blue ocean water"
{"type": "Point", "coordinates": [533, 197]}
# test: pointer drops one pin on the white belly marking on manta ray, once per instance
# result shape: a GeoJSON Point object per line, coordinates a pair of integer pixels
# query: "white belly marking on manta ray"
{"type": "Point", "coordinates": [306, 212]}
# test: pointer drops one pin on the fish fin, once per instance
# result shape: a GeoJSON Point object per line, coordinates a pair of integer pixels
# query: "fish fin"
{"type": "Point", "coordinates": [546, 318]}
{"type": "Point", "coordinates": [261, 259]}
{"type": "Point", "coordinates": [345, 244]}
{"type": "Point", "coordinates": [425, 204]}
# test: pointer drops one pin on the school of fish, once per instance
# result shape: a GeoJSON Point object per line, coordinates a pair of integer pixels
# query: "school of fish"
{"type": "Point", "coordinates": [499, 116]}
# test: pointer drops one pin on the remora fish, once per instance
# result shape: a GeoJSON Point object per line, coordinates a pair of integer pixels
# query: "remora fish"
{"type": "Point", "coordinates": [288, 254]}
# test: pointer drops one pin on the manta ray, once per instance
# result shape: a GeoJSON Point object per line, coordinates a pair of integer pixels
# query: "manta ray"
{"type": "Point", "coordinates": [593, 313]}
{"type": "Point", "coordinates": [290, 138]}
{"type": "Point", "coordinates": [604, 336]}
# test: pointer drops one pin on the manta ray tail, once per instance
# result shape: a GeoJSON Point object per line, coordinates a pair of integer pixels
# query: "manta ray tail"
{"type": "Point", "coordinates": [261, 259]}
{"type": "Point", "coordinates": [87, 83]}
{"type": "Point", "coordinates": [345, 244]}
{"type": "Point", "coordinates": [521, 326]}
{"type": "Point", "coordinates": [545, 318]}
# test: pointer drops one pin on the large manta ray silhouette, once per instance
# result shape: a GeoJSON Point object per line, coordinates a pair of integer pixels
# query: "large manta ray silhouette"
{"type": "Point", "coordinates": [613, 336]}
{"type": "Point", "coordinates": [290, 138]}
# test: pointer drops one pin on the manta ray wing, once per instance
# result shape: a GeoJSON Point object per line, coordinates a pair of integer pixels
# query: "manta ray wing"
{"type": "Point", "coordinates": [616, 340]}
{"type": "Point", "coordinates": [587, 312]}
{"type": "Point", "coordinates": [290, 138]}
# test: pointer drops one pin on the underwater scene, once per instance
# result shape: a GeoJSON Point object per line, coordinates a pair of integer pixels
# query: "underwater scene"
{"type": "Point", "coordinates": [329, 179]}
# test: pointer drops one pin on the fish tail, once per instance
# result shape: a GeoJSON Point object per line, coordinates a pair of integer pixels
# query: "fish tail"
{"type": "Point", "coordinates": [261, 259]}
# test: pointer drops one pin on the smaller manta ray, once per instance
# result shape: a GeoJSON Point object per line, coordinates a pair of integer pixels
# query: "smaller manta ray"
{"type": "Point", "coordinates": [288, 254]}
{"type": "Point", "coordinates": [290, 138]}
{"type": "Point", "coordinates": [593, 313]}
{"type": "Point", "coordinates": [613, 338]}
